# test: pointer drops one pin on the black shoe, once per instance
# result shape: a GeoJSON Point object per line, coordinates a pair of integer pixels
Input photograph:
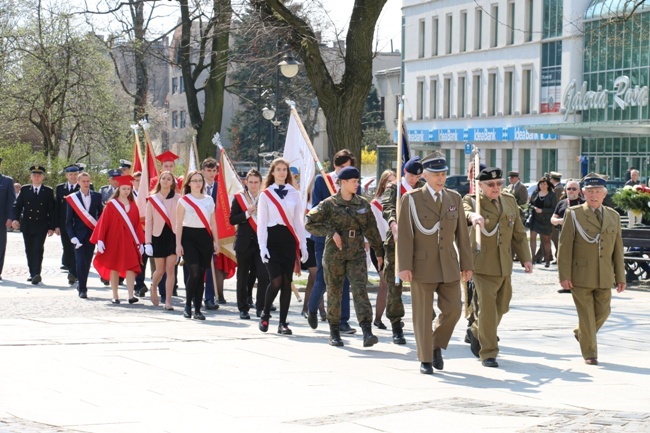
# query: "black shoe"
{"type": "Point", "coordinates": [222, 301]}
{"type": "Point", "coordinates": [83, 295]}
{"type": "Point", "coordinates": [398, 334]}
{"type": "Point", "coordinates": [29, 279]}
{"type": "Point", "coordinates": [283, 329]}
{"type": "Point", "coordinates": [211, 305]}
{"type": "Point", "coordinates": [244, 315]}
{"type": "Point", "coordinates": [64, 267]}
{"type": "Point", "coordinates": [273, 308]}
{"type": "Point", "coordinates": [554, 262]}
{"type": "Point", "coordinates": [250, 302]}
{"type": "Point", "coordinates": [312, 319]}
{"type": "Point", "coordinates": [490, 362]}
{"type": "Point", "coordinates": [71, 279]}
{"type": "Point", "coordinates": [188, 312]}
{"type": "Point", "coordinates": [36, 279]}
{"type": "Point", "coordinates": [564, 291]}
{"type": "Point", "coordinates": [547, 265]}
{"type": "Point", "coordinates": [335, 336]}
{"type": "Point", "coordinates": [105, 282]}
{"type": "Point", "coordinates": [258, 313]}
{"type": "Point", "coordinates": [115, 301]}
{"type": "Point", "coordinates": [143, 291]}
{"type": "Point", "coordinates": [264, 324]}
{"type": "Point", "coordinates": [426, 368]}
{"type": "Point", "coordinates": [474, 344]}
{"type": "Point", "coordinates": [368, 338]}
{"type": "Point", "coordinates": [175, 292]}
{"type": "Point", "coordinates": [345, 328]}
{"type": "Point", "coordinates": [198, 315]}
{"type": "Point", "coordinates": [438, 362]}
{"type": "Point", "coordinates": [323, 317]}
{"type": "Point", "coordinates": [133, 300]}
{"type": "Point", "coordinates": [379, 324]}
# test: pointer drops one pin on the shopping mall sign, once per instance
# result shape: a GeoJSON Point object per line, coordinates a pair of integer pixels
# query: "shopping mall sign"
{"type": "Point", "coordinates": [622, 96]}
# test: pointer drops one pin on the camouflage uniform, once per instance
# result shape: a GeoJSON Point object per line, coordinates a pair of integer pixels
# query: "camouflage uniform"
{"type": "Point", "coordinates": [394, 304]}
{"type": "Point", "coordinates": [352, 220]}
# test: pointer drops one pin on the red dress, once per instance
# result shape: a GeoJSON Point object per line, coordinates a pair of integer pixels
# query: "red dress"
{"type": "Point", "coordinates": [121, 251]}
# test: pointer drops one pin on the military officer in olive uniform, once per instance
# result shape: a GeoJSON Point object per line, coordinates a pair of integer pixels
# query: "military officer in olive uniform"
{"type": "Point", "coordinates": [519, 190]}
{"type": "Point", "coordinates": [433, 251]}
{"type": "Point", "coordinates": [33, 214]}
{"type": "Point", "coordinates": [502, 232]}
{"type": "Point", "coordinates": [394, 306]}
{"type": "Point", "coordinates": [345, 219]}
{"type": "Point", "coordinates": [590, 262]}
{"type": "Point", "coordinates": [68, 261]}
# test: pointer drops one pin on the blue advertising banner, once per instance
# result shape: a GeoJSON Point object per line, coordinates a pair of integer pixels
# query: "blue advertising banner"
{"type": "Point", "coordinates": [510, 133]}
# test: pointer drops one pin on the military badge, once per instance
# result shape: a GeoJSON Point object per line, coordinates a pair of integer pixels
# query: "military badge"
{"type": "Point", "coordinates": [361, 211]}
{"type": "Point", "coordinates": [452, 209]}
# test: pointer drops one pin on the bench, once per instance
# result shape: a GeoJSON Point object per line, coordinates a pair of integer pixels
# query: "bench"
{"type": "Point", "coordinates": [637, 252]}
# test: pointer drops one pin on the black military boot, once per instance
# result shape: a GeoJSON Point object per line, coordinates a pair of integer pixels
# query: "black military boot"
{"type": "Point", "coordinates": [368, 338]}
{"type": "Point", "coordinates": [335, 336]}
{"type": "Point", "coordinates": [398, 333]}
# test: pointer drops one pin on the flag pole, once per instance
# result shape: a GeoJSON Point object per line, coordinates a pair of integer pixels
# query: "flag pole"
{"type": "Point", "coordinates": [400, 120]}
{"type": "Point", "coordinates": [314, 155]}
{"type": "Point", "coordinates": [477, 169]}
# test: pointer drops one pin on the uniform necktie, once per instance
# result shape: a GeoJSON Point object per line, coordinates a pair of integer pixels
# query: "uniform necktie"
{"type": "Point", "coordinates": [497, 204]}
{"type": "Point", "coordinates": [36, 191]}
{"type": "Point", "coordinates": [599, 215]}
{"type": "Point", "coordinates": [439, 201]}
{"type": "Point", "coordinates": [281, 191]}
{"type": "Point", "coordinates": [210, 190]}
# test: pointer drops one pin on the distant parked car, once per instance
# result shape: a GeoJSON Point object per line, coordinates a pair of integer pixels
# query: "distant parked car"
{"type": "Point", "coordinates": [459, 183]}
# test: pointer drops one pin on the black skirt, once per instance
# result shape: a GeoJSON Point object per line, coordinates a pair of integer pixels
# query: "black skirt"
{"type": "Point", "coordinates": [311, 261]}
{"type": "Point", "coordinates": [282, 249]}
{"type": "Point", "coordinates": [197, 247]}
{"type": "Point", "coordinates": [165, 244]}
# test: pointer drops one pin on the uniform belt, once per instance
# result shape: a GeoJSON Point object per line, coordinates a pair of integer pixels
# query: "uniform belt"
{"type": "Point", "coordinates": [353, 233]}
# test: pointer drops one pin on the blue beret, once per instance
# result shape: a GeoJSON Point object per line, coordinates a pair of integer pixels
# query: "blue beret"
{"type": "Point", "coordinates": [349, 173]}
{"type": "Point", "coordinates": [490, 173]}
{"type": "Point", "coordinates": [413, 165]}
{"type": "Point", "coordinates": [72, 168]}
{"type": "Point", "coordinates": [592, 180]}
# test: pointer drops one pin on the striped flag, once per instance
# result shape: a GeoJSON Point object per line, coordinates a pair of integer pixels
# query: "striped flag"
{"type": "Point", "coordinates": [406, 152]}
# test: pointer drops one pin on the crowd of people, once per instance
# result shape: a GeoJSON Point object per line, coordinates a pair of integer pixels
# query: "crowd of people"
{"type": "Point", "coordinates": [444, 243]}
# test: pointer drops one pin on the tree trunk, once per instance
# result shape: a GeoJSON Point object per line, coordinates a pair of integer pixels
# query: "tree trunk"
{"type": "Point", "coordinates": [141, 74]}
{"type": "Point", "coordinates": [185, 48]}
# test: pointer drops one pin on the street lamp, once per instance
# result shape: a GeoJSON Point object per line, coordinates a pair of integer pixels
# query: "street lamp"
{"type": "Point", "coordinates": [259, 151]}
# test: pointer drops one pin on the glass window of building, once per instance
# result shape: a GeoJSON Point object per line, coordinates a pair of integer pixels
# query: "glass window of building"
{"type": "Point", "coordinates": [526, 91]}
{"type": "Point", "coordinates": [434, 36]}
{"type": "Point", "coordinates": [508, 93]}
{"type": "Point", "coordinates": [476, 95]}
{"type": "Point", "coordinates": [508, 159]}
{"type": "Point", "coordinates": [528, 20]}
{"type": "Point", "coordinates": [478, 28]}
{"type": "Point", "coordinates": [421, 28]}
{"type": "Point", "coordinates": [461, 96]}
{"type": "Point", "coordinates": [174, 85]}
{"type": "Point", "coordinates": [552, 18]}
{"type": "Point", "coordinates": [549, 160]}
{"type": "Point", "coordinates": [492, 94]}
{"type": "Point", "coordinates": [182, 125]}
{"type": "Point", "coordinates": [433, 98]}
{"type": "Point", "coordinates": [449, 33]}
{"type": "Point", "coordinates": [551, 77]}
{"type": "Point", "coordinates": [526, 166]}
{"type": "Point", "coordinates": [446, 98]}
{"type": "Point", "coordinates": [463, 31]}
{"type": "Point", "coordinates": [419, 112]}
{"type": "Point", "coordinates": [494, 30]}
{"type": "Point", "coordinates": [174, 119]}
{"type": "Point", "coordinates": [181, 83]}
{"type": "Point", "coordinates": [511, 23]}
{"type": "Point", "coordinates": [460, 154]}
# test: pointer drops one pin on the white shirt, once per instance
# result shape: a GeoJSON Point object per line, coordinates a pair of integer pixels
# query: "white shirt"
{"type": "Point", "coordinates": [85, 199]}
{"type": "Point", "coordinates": [191, 219]}
{"type": "Point", "coordinates": [433, 193]}
{"type": "Point", "coordinates": [269, 216]}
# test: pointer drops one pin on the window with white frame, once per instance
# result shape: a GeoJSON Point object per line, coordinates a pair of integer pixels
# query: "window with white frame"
{"type": "Point", "coordinates": [421, 35]}
{"type": "Point", "coordinates": [434, 36]}
{"type": "Point", "coordinates": [492, 94]}
{"type": "Point", "coordinates": [463, 31]}
{"type": "Point", "coordinates": [528, 20]}
{"type": "Point", "coordinates": [478, 28]}
{"type": "Point", "coordinates": [174, 119]}
{"type": "Point", "coordinates": [433, 98]}
{"type": "Point", "coordinates": [494, 30]}
{"type": "Point", "coordinates": [446, 98]}
{"type": "Point", "coordinates": [508, 93]}
{"type": "Point", "coordinates": [449, 33]}
{"type": "Point", "coordinates": [419, 112]}
{"type": "Point", "coordinates": [462, 86]}
{"type": "Point", "coordinates": [526, 91]}
{"type": "Point", "coordinates": [476, 95]}
{"type": "Point", "coordinates": [511, 24]}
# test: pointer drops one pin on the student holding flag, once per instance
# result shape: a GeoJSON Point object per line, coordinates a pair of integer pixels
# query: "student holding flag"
{"type": "Point", "coordinates": [196, 239]}
{"type": "Point", "coordinates": [84, 208]}
{"type": "Point", "coordinates": [119, 238]}
{"type": "Point", "coordinates": [281, 237]}
{"type": "Point", "coordinates": [160, 234]}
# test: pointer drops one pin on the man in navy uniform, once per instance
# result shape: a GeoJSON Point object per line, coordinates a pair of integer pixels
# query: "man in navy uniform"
{"type": "Point", "coordinates": [125, 167]}
{"type": "Point", "coordinates": [107, 191]}
{"type": "Point", "coordinates": [7, 198]}
{"type": "Point", "coordinates": [60, 211]}
{"type": "Point", "coordinates": [84, 208]}
{"type": "Point", "coordinates": [33, 214]}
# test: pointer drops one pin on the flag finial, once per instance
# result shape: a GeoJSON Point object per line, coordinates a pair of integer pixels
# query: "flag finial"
{"type": "Point", "coordinates": [290, 103]}
{"type": "Point", "coordinates": [135, 128]}
{"type": "Point", "coordinates": [216, 140]}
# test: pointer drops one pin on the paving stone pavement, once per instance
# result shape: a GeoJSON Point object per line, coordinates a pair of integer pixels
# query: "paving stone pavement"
{"type": "Point", "coordinates": [72, 365]}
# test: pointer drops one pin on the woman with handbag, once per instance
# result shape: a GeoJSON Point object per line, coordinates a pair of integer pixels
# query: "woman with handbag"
{"type": "Point", "coordinates": [542, 205]}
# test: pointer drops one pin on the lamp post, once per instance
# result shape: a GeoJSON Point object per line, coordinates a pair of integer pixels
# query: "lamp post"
{"type": "Point", "coordinates": [288, 67]}
{"type": "Point", "coordinates": [259, 151]}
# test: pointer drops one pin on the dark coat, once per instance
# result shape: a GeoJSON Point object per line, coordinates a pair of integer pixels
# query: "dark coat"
{"type": "Point", "coordinates": [35, 213]}
{"type": "Point", "coordinates": [245, 237]}
{"type": "Point", "coordinates": [74, 226]}
{"type": "Point", "coordinates": [60, 206]}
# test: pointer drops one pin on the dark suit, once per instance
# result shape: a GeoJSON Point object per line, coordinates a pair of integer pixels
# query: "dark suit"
{"type": "Point", "coordinates": [60, 211]}
{"type": "Point", "coordinates": [247, 251]}
{"type": "Point", "coordinates": [7, 198]}
{"type": "Point", "coordinates": [36, 216]}
{"type": "Point", "coordinates": [76, 228]}
{"type": "Point", "coordinates": [209, 282]}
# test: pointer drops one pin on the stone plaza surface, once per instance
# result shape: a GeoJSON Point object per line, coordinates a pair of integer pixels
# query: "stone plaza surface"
{"type": "Point", "coordinates": [73, 365]}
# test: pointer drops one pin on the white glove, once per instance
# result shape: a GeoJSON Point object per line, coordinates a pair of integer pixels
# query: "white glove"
{"type": "Point", "coordinates": [148, 250]}
{"type": "Point", "coordinates": [76, 243]}
{"type": "Point", "coordinates": [304, 256]}
{"type": "Point", "coordinates": [100, 247]}
{"type": "Point", "coordinates": [141, 249]}
{"type": "Point", "coordinates": [264, 253]}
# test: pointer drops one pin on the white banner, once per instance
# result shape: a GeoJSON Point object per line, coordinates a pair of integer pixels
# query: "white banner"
{"type": "Point", "coordinates": [301, 161]}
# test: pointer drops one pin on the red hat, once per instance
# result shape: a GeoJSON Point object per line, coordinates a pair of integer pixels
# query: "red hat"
{"type": "Point", "coordinates": [167, 156]}
{"type": "Point", "coordinates": [125, 180]}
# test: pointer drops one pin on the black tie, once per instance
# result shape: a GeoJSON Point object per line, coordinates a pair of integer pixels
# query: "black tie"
{"type": "Point", "coordinates": [210, 190]}
{"type": "Point", "coordinates": [36, 191]}
{"type": "Point", "coordinates": [281, 191]}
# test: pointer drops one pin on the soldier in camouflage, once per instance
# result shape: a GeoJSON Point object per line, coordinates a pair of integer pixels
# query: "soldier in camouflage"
{"type": "Point", "coordinates": [346, 218]}
{"type": "Point", "coordinates": [394, 306]}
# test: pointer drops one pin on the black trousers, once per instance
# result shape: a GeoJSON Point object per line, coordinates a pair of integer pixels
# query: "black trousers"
{"type": "Point", "coordinates": [249, 262]}
{"type": "Point", "coordinates": [3, 246]}
{"type": "Point", "coordinates": [34, 246]}
{"type": "Point", "coordinates": [68, 259]}
{"type": "Point", "coordinates": [83, 260]}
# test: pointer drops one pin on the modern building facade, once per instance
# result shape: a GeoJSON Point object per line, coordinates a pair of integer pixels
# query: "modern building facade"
{"type": "Point", "coordinates": [483, 72]}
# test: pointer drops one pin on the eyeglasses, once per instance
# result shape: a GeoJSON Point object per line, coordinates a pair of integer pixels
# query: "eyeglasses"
{"type": "Point", "coordinates": [493, 184]}
{"type": "Point", "coordinates": [197, 180]}
{"type": "Point", "coordinates": [571, 189]}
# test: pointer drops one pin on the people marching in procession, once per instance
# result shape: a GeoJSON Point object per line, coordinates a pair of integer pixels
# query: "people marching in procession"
{"type": "Point", "coordinates": [414, 230]}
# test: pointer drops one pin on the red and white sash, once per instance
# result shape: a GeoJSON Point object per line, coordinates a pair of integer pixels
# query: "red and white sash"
{"type": "Point", "coordinates": [378, 205]}
{"type": "Point", "coordinates": [243, 203]}
{"type": "Point", "coordinates": [330, 179]}
{"type": "Point", "coordinates": [126, 219]}
{"type": "Point", "coordinates": [283, 215]}
{"type": "Point", "coordinates": [404, 187]}
{"type": "Point", "coordinates": [200, 212]}
{"type": "Point", "coordinates": [162, 210]}
{"type": "Point", "coordinates": [82, 213]}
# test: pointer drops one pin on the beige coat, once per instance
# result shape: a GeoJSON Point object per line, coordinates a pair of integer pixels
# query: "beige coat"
{"type": "Point", "coordinates": [433, 258]}
{"type": "Point", "coordinates": [154, 223]}
{"type": "Point", "coordinates": [580, 261]}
